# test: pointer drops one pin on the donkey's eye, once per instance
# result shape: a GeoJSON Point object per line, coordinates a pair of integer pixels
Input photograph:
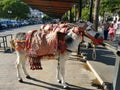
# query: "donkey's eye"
{"type": "Point", "coordinates": [69, 40]}
{"type": "Point", "coordinates": [88, 29]}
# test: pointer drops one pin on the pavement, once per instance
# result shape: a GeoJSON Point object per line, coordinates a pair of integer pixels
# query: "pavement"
{"type": "Point", "coordinates": [78, 75]}
{"type": "Point", "coordinates": [104, 65]}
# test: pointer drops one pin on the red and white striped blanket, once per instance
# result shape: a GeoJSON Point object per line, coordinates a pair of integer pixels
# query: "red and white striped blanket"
{"type": "Point", "coordinates": [40, 44]}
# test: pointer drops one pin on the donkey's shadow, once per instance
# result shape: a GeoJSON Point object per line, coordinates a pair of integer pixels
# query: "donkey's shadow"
{"type": "Point", "coordinates": [52, 86]}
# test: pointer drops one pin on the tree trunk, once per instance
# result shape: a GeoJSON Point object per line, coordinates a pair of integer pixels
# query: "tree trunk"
{"type": "Point", "coordinates": [80, 9]}
{"type": "Point", "coordinates": [96, 13]}
{"type": "Point", "coordinates": [91, 11]}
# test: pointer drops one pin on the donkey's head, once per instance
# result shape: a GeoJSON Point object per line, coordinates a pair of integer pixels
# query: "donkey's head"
{"type": "Point", "coordinates": [88, 33]}
{"type": "Point", "coordinates": [91, 35]}
{"type": "Point", "coordinates": [82, 31]}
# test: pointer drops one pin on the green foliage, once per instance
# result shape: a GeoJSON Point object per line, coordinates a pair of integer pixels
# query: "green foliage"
{"type": "Point", "coordinates": [85, 13]}
{"type": "Point", "coordinates": [65, 17]}
{"type": "Point", "coordinates": [110, 6]}
{"type": "Point", "coordinates": [46, 17]}
{"type": "Point", "coordinates": [14, 9]}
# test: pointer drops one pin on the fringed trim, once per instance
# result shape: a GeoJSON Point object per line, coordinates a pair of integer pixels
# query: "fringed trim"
{"type": "Point", "coordinates": [35, 61]}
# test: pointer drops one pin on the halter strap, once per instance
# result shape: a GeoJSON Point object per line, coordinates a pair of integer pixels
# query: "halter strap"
{"type": "Point", "coordinates": [96, 41]}
{"type": "Point", "coordinates": [81, 30]}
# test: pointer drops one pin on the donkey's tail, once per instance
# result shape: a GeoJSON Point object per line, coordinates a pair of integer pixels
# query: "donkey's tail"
{"type": "Point", "coordinates": [12, 44]}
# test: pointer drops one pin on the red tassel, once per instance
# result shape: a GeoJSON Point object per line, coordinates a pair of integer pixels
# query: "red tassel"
{"type": "Point", "coordinates": [35, 63]}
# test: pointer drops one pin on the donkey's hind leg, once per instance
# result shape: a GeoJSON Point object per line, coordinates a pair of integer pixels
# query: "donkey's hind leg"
{"type": "Point", "coordinates": [58, 71]}
{"type": "Point", "coordinates": [24, 58]}
{"type": "Point", "coordinates": [18, 64]}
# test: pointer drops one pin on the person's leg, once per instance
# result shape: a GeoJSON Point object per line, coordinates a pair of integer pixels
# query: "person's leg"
{"type": "Point", "coordinates": [111, 36]}
{"type": "Point", "coordinates": [105, 35]}
{"type": "Point", "coordinates": [115, 37]}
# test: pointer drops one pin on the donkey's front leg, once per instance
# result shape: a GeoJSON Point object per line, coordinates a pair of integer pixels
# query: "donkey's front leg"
{"type": "Point", "coordinates": [63, 58]}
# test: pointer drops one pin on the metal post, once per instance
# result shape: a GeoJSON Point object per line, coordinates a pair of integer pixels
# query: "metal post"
{"type": "Point", "coordinates": [116, 78]}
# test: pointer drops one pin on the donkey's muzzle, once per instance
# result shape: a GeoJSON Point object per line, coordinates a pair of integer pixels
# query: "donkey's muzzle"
{"type": "Point", "coordinates": [97, 35]}
{"type": "Point", "coordinates": [99, 38]}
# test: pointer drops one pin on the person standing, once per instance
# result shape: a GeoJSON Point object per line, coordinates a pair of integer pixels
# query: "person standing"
{"type": "Point", "coordinates": [112, 32]}
{"type": "Point", "coordinates": [115, 26]}
{"type": "Point", "coordinates": [105, 29]}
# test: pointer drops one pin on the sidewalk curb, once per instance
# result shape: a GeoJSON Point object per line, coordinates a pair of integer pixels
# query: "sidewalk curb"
{"type": "Point", "coordinates": [95, 73]}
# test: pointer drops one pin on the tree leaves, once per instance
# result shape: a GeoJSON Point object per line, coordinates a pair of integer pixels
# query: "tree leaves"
{"type": "Point", "coordinates": [14, 9]}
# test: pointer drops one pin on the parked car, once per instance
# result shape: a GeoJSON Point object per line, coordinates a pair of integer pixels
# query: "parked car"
{"type": "Point", "coordinates": [3, 24]}
{"type": "Point", "coordinates": [19, 23]}
{"type": "Point", "coordinates": [14, 24]}
{"type": "Point", "coordinates": [0, 26]}
{"type": "Point", "coordinates": [25, 23]}
{"type": "Point", "coordinates": [10, 24]}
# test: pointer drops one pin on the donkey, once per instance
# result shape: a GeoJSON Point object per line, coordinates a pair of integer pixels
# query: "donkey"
{"type": "Point", "coordinates": [28, 46]}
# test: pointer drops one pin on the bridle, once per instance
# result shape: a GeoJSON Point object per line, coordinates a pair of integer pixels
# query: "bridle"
{"type": "Point", "coordinates": [82, 32]}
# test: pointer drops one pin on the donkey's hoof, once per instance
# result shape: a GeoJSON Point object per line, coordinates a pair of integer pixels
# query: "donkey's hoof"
{"type": "Point", "coordinates": [59, 81]}
{"type": "Point", "coordinates": [84, 57]}
{"type": "Point", "coordinates": [20, 80]}
{"type": "Point", "coordinates": [65, 87]}
{"type": "Point", "coordinates": [82, 54]}
{"type": "Point", "coordinates": [28, 77]}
